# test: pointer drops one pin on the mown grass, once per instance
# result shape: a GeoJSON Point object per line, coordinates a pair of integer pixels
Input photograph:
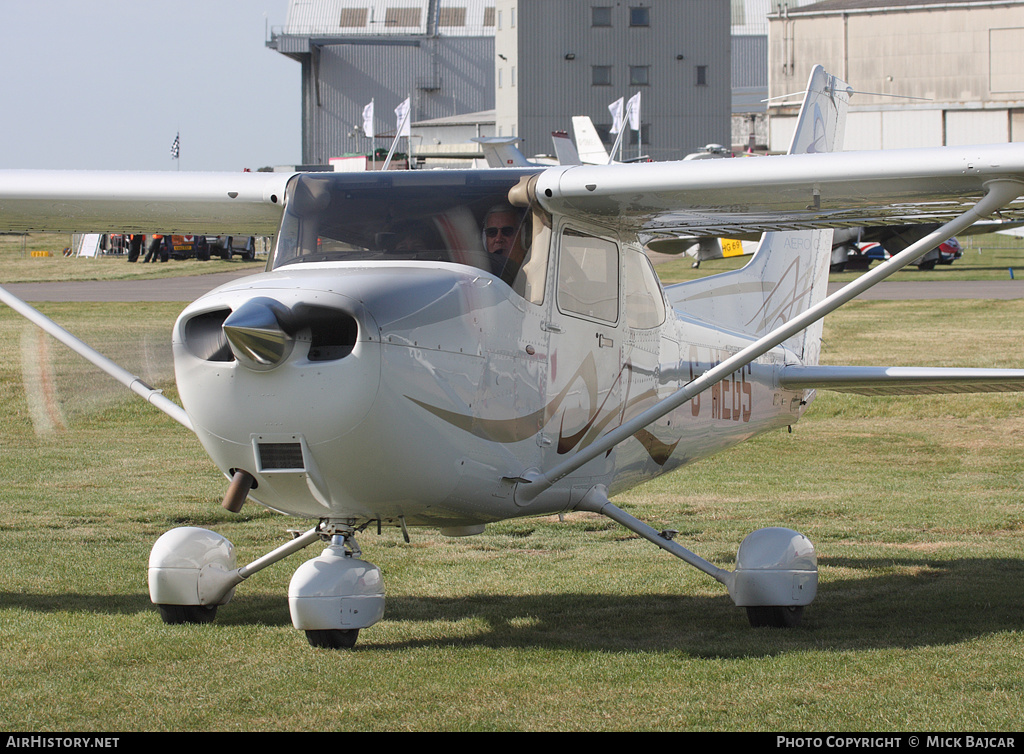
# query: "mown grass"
{"type": "Point", "coordinates": [916, 506]}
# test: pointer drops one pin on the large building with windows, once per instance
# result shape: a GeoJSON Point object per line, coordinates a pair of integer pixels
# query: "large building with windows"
{"type": "Point", "coordinates": [560, 58]}
{"type": "Point", "coordinates": [519, 68]}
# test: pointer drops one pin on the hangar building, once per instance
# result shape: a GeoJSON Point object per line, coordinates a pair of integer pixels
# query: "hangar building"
{"type": "Point", "coordinates": [954, 70]}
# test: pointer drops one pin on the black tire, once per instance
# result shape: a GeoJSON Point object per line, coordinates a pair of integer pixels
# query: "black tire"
{"type": "Point", "coordinates": [775, 616]}
{"type": "Point", "coordinates": [929, 265]}
{"type": "Point", "coordinates": [333, 638]}
{"type": "Point", "coordinates": [175, 615]}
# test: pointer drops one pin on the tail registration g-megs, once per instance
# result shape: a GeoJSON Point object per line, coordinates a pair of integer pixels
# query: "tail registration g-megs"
{"type": "Point", "coordinates": [501, 337]}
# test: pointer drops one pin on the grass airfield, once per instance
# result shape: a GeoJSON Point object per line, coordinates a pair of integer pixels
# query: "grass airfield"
{"type": "Point", "coordinates": [916, 507]}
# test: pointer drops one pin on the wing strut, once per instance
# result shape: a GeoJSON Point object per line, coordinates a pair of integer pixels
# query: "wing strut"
{"type": "Point", "coordinates": [133, 382]}
{"type": "Point", "coordinates": [998, 193]}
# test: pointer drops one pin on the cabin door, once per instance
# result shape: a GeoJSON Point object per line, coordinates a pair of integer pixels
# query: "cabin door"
{"type": "Point", "coordinates": [585, 363]}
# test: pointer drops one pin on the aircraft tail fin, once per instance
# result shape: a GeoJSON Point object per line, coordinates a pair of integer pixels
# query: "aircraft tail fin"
{"type": "Point", "coordinates": [565, 150]}
{"type": "Point", "coordinates": [588, 144]}
{"type": "Point", "coordinates": [789, 271]}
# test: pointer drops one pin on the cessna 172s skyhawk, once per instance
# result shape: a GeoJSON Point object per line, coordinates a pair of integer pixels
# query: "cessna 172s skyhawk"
{"type": "Point", "coordinates": [500, 340]}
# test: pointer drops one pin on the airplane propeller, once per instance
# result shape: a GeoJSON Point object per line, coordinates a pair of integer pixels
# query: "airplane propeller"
{"type": "Point", "coordinates": [261, 333]}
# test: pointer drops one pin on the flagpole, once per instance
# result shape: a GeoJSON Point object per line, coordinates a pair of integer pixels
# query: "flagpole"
{"type": "Point", "coordinates": [176, 149]}
{"type": "Point", "coordinates": [639, 129]}
{"type": "Point", "coordinates": [398, 135]}
{"type": "Point", "coordinates": [633, 116]}
{"type": "Point", "coordinates": [616, 109]}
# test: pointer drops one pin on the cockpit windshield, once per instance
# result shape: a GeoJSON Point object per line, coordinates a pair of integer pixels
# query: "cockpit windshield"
{"type": "Point", "coordinates": [442, 216]}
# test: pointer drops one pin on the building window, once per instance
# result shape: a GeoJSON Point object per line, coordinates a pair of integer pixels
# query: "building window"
{"type": "Point", "coordinates": [601, 75]}
{"type": "Point", "coordinates": [639, 16]}
{"type": "Point", "coordinates": [639, 75]}
{"type": "Point", "coordinates": [489, 15]}
{"type": "Point", "coordinates": [702, 75]}
{"type": "Point", "coordinates": [512, 77]}
{"type": "Point", "coordinates": [402, 17]}
{"type": "Point", "coordinates": [641, 137]}
{"type": "Point", "coordinates": [512, 18]}
{"type": "Point", "coordinates": [601, 16]}
{"type": "Point", "coordinates": [353, 17]}
{"type": "Point", "coordinates": [452, 17]}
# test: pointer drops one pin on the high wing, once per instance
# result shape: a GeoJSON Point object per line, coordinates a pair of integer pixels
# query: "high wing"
{"type": "Point", "coordinates": [138, 202]}
{"type": "Point", "coordinates": [785, 192]}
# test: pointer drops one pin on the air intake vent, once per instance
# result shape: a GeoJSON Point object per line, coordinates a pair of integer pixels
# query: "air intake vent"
{"type": "Point", "coordinates": [205, 339]}
{"type": "Point", "coordinates": [332, 332]}
{"type": "Point", "coordinates": [275, 456]}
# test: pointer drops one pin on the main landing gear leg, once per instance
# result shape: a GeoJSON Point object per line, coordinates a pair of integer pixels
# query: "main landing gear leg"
{"type": "Point", "coordinates": [776, 569]}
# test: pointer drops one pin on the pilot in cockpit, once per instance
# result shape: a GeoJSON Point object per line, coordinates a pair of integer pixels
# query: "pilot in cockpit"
{"type": "Point", "coordinates": [503, 239]}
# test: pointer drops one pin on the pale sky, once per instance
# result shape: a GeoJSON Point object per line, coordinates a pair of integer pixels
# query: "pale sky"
{"type": "Point", "coordinates": [107, 84]}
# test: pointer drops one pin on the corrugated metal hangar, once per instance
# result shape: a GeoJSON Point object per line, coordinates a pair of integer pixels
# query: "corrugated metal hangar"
{"type": "Point", "coordinates": [954, 71]}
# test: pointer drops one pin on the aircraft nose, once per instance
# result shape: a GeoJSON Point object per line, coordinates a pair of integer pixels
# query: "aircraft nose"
{"type": "Point", "coordinates": [277, 380]}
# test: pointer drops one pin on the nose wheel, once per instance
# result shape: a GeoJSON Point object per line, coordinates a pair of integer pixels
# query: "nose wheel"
{"type": "Point", "coordinates": [775, 616]}
{"type": "Point", "coordinates": [332, 596]}
{"type": "Point", "coordinates": [333, 638]}
{"type": "Point", "coordinates": [174, 615]}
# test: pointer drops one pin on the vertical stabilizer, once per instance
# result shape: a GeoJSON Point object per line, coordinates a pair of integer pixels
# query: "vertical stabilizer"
{"type": "Point", "coordinates": [789, 271]}
{"type": "Point", "coordinates": [565, 150]}
{"type": "Point", "coordinates": [588, 143]}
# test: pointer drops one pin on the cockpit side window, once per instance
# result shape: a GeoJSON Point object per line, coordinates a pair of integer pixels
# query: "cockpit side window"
{"type": "Point", "coordinates": [645, 303]}
{"type": "Point", "coordinates": [588, 276]}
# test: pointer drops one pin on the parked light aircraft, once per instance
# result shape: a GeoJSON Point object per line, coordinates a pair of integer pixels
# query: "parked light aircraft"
{"type": "Point", "coordinates": [502, 152]}
{"type": "Point", "coordinates": [500, 337]}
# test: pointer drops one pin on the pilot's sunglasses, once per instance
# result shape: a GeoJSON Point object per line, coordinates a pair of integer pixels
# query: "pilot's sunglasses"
{"type": "Point", "coordinates": [508, 231]}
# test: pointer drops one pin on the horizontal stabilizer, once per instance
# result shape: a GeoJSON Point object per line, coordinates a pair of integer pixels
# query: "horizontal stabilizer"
{"type": "Point", "coordinates": [901, 380]}
{"type": "Point", "coordinates": [501, 151]}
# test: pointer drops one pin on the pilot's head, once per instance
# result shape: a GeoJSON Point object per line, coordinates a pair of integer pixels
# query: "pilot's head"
{"type": "Point", "coordinates": [503, 231]}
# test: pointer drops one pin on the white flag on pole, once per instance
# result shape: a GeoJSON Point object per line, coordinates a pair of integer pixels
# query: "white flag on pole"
{"type": "Point", "coordinates": [633, 111]}
{"type": "Point", "coordinates": [402, 114]}
{"type": "Point", "coordinates": [615, 109]}
{"type": "Point", "coordinates": [368, 120]}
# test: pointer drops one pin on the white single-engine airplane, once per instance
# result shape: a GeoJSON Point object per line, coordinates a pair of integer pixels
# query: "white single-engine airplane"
{"type": "Point", "coordinates": [453, 348]}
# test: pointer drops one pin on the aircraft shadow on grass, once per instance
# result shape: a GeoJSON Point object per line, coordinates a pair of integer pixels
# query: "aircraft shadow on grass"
{"type": "Point", "coordinates": [942, 602]}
